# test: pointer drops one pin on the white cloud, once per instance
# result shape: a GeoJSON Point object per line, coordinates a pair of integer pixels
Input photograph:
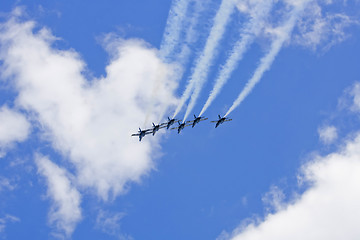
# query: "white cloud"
{"type": "Point", "coordinates": [354, 93]}
{"type": "Point", "coordinates": [110, 224]}
{"type": "Point", "coordinates": [350, 100]}
{"type": "Point", "coordinates": [327, 134]}
{"type": "Point", "coordinates": [65, 210]}
{"type": "Point", "coordinates": [13, 128]}
{"type": "Point", "coordinates": [274, 199]}
{"type": "Point", "coordinates": [322, 30]}
{"type": "Point", "coordinates": [329, 209]}
{"type": "Point", "coordinates": [89, 122]}
{"type": "Point", "coordinates": [5, 184]}
{"type": "Point", "coordinates": [5, 220]}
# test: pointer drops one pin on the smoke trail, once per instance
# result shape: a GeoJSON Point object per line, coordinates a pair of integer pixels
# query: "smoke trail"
{"type": "Point", "coordinates": [190, 37]}
{"type": "Point", "coordinates": [200, 75]}
{"type": "Point", "coordinates": [258, 15]}
{"type": "Point", "coordinates": [266, 61]}
{"type": "Point", "coordinates": [171, 38]}
{"type": "Point", "coordinates": [203, 63]}
{"type": "Point", "coordinates": [174, 26]}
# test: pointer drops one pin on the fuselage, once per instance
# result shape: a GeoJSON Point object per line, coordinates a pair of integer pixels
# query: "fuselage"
{"type": "Point", "coordinates": [141, 135]}
{"type": "Point", "coordinates": [196, 120]}
{"type": "Point", "coordinates": [155, 129]}
{"type": "Point", "coordinates": [181, 127]}
{"type": "Point", "coordinates": [220, 122]}
{"type": "Point", "coordinates": [171, 122]}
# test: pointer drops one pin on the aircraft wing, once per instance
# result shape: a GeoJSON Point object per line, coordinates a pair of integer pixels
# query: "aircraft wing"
{"type": "Point", "coordinates": [214, 121]}
{"type": "Point", "coordinates": [163, 126]}
{"type": "Point", "coordinates": [186, 125]}
{"type": "Point", "coordinates": [148, 133]}
{"type": "Point", "coordinates": [176, 127]}
{"type": "Point", "coordinates": [135, 134]}
{"type": "Point", "coordinates": [188, 122]}
{"type": "Point", "coordinates": [227, 120]}
{"type": "Point", "coordinates": [203, 119]}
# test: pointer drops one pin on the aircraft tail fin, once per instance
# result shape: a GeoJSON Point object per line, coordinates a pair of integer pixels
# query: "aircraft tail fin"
{"type": "Point", "coordinates": [194, 116]}
{"type": "Point", "coordinates": [219, 116]}
{"type": "Point", "coordinates": [153, 124]}
{"type": "Point", "coordinates": [169, 119]}
{"type": "Point", "coordinates": [140, 129]}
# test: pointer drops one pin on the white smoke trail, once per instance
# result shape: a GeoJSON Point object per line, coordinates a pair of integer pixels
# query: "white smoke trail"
{"type": "Point", "coordinates": [204, 62]}
{"type": "Point", "coordinates": [190, 37]}
{"type": "Point", "coordinates": [258, 16]}
{"type": "Point", "coordinates": [171, 39]}
{"type": "Point", "coordinates": [191, 34]}
{"type": "Point", "coordinates": [200, 74]}
{"type": "Point", "coordinates": [265, 63]}
{"type": "Point", "coordinates": [174, 27]}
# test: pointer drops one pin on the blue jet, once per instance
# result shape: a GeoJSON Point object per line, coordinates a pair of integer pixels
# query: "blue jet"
{"type": "Point", "coordinates": [197, 120]}
{"type": "Point", "coordinates": [170, 122]}
{"type": "Point", "coordinates": [158, 127]}
{"type": "Point", "coordinates": [142, 133]}
{"type": "Point", "coordinates": [221, 120]}
{"type": "Point", "coordinates": [182, 126]}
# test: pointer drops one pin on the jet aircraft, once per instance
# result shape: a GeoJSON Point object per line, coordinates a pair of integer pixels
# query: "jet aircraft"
{"type": "Point", "coordinates": [182, 126]}
{"type": "Point", "coordinates": [157, 127]}
{"type": "Point", "coordinates": [142, 133]}
{"type": "Point", "coordinates": [197, 120]}
{"type": "Point", "coordinates": [171, 122]}
{"type": "Point", "coordinates": [221, 120]}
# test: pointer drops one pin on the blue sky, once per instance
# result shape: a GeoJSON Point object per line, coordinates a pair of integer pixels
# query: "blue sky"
{"type": "Point", "coordinates": [78, 78]}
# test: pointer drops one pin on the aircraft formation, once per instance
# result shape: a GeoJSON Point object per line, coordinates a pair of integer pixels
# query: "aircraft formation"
{"type": "Point", "coordinates": [181, 126]}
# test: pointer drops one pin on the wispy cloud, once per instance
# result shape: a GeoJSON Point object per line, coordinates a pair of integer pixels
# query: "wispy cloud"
{"type": "Point", "coordinates": [65, 210]}
{"type": "Point", "coordinates": [319, 30]}
{"type": "Point", "coordinates": [258, 11]}
{"type": "Point", "coordinates": [7, 219]}
{"type": "Point", "coordinates": [327, 134]}
{"type": "Point", "coordinates": [274, 199]}
{"type": "Point", "coordinates": [350, 100]}
{"type": "Point", "coordinates": [204, 61]}
{"type": "Point", "coordinates": [110, 224]}
{"type": "Point", "coordinates": [14, 127]}
{"type": "Point", "coordinates": [6, 184]}
{"type": "Point", "coordinates": [354, 93]}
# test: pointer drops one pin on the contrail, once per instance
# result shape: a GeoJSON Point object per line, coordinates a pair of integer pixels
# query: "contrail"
{"type": "Point", "coordinates": [258, 17]}
{"type": "Point", "coordinates": [191, 36]}
{"type": "Point", "coordinates": [170, 41]}
{"type": "Point", "coordinates": [174, 27]}
{"type": "Point", "coordinates": [204, 62]}
{"type": "Point", "coordinates": [265, 63]}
